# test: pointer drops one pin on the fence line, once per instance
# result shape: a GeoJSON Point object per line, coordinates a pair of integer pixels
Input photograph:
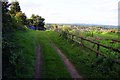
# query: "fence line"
{"type": "Point", "coordinates": [71, 36]}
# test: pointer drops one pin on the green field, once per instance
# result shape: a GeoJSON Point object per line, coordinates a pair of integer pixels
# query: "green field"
{"type": "Point", "coordinates": [83, 59]}
{"type": "Point", "coordinates": [32, 49]}
{"type": "Point", "coordinates": [53, 66]}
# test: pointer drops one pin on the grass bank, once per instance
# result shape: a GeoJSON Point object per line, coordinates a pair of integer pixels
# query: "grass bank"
{"type": "Point", "coordinates": [26, 56]}
{"type": "Point", "coordinates": [85, 60]}
{"type": "Point", "coordinates": [53, 66]}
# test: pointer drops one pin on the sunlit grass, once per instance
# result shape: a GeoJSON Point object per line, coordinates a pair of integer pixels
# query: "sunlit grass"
{"type": "Point", "coordinates": [82, 58]}
{"type": "Point", "coordinates": [53, 66]}
{"type": "Point", "coordinates": [25, 67]}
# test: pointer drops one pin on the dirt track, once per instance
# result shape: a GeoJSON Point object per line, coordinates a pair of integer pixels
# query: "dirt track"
{"type": "Point", "coordinates": [38, 62]}
{"type": "Point", "coordinates": [73, 72]}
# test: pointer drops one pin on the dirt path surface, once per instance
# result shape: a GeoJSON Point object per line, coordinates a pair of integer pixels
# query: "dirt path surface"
{"type": "Point", "coordinates": [38, 63]}
{"type": "Point", "coordinates": [73, 72]}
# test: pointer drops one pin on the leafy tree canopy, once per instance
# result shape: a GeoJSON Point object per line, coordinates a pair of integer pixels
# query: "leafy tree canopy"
{"type": "Point", "coordinates": [37, 21]}
{"type": "Point", "coordinates": [15, 7]}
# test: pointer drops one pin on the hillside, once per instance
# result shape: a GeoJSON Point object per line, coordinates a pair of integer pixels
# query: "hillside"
{"type": "Point", "coordinates": [32, 49]}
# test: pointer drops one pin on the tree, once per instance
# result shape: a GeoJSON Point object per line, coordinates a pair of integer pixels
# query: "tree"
{"type": "Point", "coordinates": [15, 12]}
{"type": "Point", "coordinates": [33, 20]}
{"type": "Point", "coordinates": [21, 17]}
{"type": "Point", "coordinates": [14, 8]}
{"type": "Point", "coordinates": [29, 22]}
{"type": "Point", "coordinates": [7, 28]}
{"type": "Point", "coordinates": [6, 17]}
{"type": "Point", "coordinates": [38, 22]}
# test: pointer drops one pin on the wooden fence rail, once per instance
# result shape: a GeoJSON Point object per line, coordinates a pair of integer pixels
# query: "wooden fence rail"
{"type": "Point", "coordinates": [111, 48]}
{"type": "Point", "coordinates": [71, 36]}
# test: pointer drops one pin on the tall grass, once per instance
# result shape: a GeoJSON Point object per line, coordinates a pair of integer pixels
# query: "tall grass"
{"type": "Point", "coordinates": [53, 66]}
{"type": "Point", "coordinates": [26, 58]}
{"type": "Point", "coordinates": [85, 60]}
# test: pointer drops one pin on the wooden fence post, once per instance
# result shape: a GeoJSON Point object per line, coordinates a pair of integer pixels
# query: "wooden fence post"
{"type": "Point", "coordinates": [72, 37]}
{"type": "Point", "coordinates": [98, 47]}
{"type": "Point", "coordinates": [67, 36]}
{"type": "Point", "coordinates": [81, 41]}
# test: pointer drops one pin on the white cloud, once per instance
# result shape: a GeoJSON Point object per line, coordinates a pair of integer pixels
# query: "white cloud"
{"type": "Point", "coordinates": [73, 11]}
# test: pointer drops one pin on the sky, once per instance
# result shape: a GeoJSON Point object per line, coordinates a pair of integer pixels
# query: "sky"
{"type": "Point", "coordinates": [103, 12]}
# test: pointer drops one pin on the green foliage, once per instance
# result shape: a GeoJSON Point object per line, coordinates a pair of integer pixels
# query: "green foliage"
{"type": "Point", "coordinates": [37, 21]}
{"type": "Point", "coordinates": [85, 60]}
{"type": "Point", "coordinates": [66, 29]}
{"type": "Point", "coordinates": [53, 66]}
{"type": "Point", "coordinates": [16, 13]}
{"type": "Point", "coordinates": [8, 50]}
{"type": "Point", "coordinates": [6, 18]}
{"type": "Point", "coordinates": [12, 56]}
{"type": "Point", "coordinates": [21, 17]}
{"type": "Point", "coordinates": [29, 22]}
{"type": "Point", "coordinates": [14, 8]}
{"type": "Point", "coordinates": [54, 27]}
{"type": "Point", "coordinates": [18, 59]}
{"type": "Point", "coordinates": [25, 64]}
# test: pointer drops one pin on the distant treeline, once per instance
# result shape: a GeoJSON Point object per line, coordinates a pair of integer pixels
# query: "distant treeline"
{"type": "Point", "coordinates": [86, 25]}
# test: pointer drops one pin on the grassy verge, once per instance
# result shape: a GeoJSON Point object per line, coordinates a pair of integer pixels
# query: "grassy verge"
{"type": "Point", "coordinates": [53, 66]}
{"type": "Point", "coordinates": [84, 60]}
{"type": "Point", "coordinates": [26, 57]}
{"type": "Point", "coordinates": [22, 57]}
{"type": "Point", "coordinates": [18, 54]}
